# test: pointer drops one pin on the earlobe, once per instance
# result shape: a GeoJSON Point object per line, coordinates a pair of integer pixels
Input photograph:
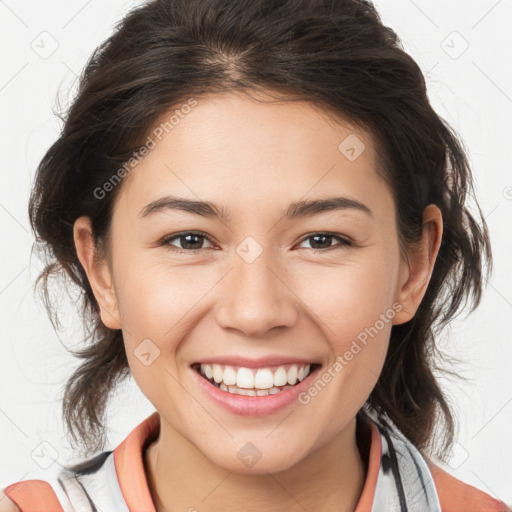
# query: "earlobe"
{"type": "Point", "coordinates": [98, 273]}
{"type": "Point", "coordinates": [415, 273]}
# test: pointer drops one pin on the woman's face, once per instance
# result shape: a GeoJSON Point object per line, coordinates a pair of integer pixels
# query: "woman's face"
{"type": "Point", "coordinates": [263, 285]}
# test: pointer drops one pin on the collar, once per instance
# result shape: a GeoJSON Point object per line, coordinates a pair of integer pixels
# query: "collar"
{"type": "Point", "coordinates": [129, 464]}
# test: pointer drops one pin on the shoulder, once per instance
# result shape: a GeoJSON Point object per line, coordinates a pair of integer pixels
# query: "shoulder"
{"type": "Point", "coordinates": [6, 504]}
{"type": "Point", "coordinates": [29, 495]}
{"type": "Point", "coordinates": [457, 496]}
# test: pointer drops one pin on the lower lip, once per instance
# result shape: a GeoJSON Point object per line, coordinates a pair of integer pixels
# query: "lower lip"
{"type": "Point", "coordinates": [244, 405]}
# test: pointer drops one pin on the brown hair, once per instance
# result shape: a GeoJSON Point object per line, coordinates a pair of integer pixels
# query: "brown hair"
{"type": "Point", "coordinates": [336, 54]}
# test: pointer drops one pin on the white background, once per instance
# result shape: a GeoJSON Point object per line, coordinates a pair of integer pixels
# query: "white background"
{"type": "Point", "coordinates": [473, 92]}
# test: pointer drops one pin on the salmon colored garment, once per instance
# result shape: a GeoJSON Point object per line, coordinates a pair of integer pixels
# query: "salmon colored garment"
{"type": "Point", "coordinates": [130, 479]}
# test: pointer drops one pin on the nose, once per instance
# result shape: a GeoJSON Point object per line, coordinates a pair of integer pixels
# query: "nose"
{"type": "Point", "coordinates": [258, 298]}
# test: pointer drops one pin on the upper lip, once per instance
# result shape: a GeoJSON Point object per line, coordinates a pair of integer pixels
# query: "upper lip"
{"type": "Point", "coordinates": [246, 362]}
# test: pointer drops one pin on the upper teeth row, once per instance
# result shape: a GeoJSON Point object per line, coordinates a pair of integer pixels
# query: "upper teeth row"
{"type": "Point", "coordinates": [264, 378]}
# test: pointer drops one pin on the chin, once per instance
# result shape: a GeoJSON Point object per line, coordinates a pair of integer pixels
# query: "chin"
{"type": "Point", "coordinates": [249, 460]}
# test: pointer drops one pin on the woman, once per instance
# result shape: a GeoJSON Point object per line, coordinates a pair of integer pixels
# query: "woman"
{"type": "Point", "coordinates": [264, 215]}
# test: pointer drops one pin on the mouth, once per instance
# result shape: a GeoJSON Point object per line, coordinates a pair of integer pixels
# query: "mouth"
{"type": "Point", "coordinates": [255, 381]}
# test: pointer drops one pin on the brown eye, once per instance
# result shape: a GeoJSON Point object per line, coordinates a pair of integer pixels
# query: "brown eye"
{"type": "Point", "coordinates": [322, 241]}
{"type": "Point", "coordinates": [189, 241]}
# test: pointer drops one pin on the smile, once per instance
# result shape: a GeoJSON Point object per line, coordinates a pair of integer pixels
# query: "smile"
{"type": "Point", "coordinates": [254, 381]}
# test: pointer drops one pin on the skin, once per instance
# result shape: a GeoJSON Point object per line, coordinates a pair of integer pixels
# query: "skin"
{"type": "Point", "coordinates": [255, 159]}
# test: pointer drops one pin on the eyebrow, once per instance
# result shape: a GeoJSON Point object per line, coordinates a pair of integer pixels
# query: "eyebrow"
{"type": "Point", "coordinates": [295, 210]}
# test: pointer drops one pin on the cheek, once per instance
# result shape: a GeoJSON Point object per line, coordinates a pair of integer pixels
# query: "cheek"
{"type": "Point", "coordinates": [153, 295]}
{"type": "Point", "coordinates": [359, 343]}
{"type": "Point", "coordinates": [352, 296]}
{"type": "Point", "coordinates": [353, 305]}
{"type": "Point", "coordinates": [156, 304]}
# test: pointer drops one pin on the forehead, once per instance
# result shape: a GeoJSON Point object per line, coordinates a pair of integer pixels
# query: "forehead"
{"type": "Point", "coordinates": [245, 151]}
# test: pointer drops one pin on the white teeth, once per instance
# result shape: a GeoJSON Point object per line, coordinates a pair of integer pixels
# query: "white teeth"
{"type": "Point", "coordinates": [291, 376]}
{"type": "Point", "coordinates": [252, 392]}
{"type": "Point", "coordinates": [244, 378]}
{"type": "Point", "coordinates": [218, 374]}
{"type": "Point", "coordinates": [259, 379]}
{"type": "Point", "coordinates": [264, 379]}
{"type": "Point", "coordinates": [280, 377]}
{"type": "Point", "coordinates": [229, 376]}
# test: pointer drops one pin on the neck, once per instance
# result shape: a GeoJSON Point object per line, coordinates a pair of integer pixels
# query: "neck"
{"type": "Point", "coordinates": [329, 479]}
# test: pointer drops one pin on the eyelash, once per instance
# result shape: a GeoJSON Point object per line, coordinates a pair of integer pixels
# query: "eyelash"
{"type": "Point", "coordinates": [167, 241]}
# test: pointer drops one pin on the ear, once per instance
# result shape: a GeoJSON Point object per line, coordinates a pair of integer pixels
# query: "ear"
{"type": "Point", "coordinates": [98, 273]}
{"type": "Point", "coordinates": [415, 273]}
